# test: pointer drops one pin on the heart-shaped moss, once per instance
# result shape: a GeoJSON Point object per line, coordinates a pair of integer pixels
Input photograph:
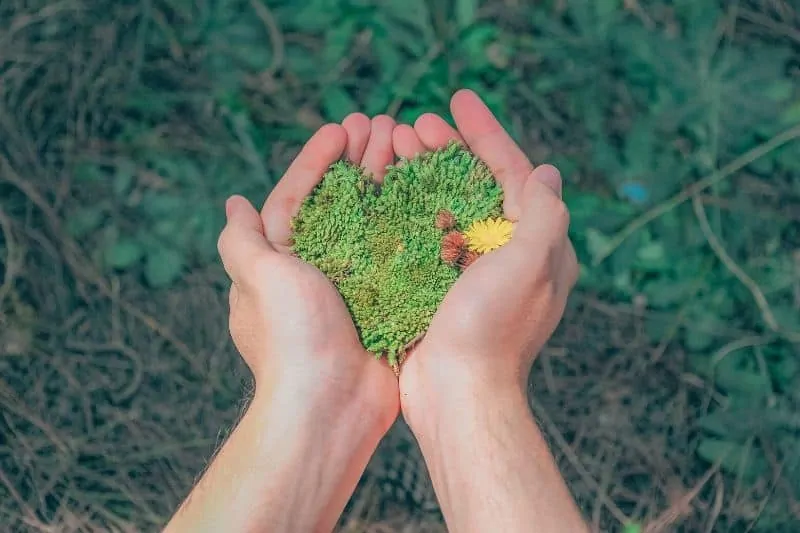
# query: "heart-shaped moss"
{"type": "Point", "coordinates": [393, 250]}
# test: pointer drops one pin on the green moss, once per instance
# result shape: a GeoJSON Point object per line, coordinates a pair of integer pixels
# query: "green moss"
{"type": "Point", "coordinates": [380, 245]}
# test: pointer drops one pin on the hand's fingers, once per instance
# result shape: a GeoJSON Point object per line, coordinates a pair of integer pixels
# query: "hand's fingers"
{"type": "Point", "coordinates": [435, 132]}
{"type": "Point", "coordinates": [544, 216]}
{"type": "Point", "coordinates": [488, 140]}
{"type": "Point", "coordinates": [242, 242]}
{"type": "Point", "coordinates": [379, 152]}
{"type": "Point", "coordinates": [406, 142]}
{"type": "Point", "coordinates": [357, 126]}
{"type": "Point", "coordinates": [305, 172]}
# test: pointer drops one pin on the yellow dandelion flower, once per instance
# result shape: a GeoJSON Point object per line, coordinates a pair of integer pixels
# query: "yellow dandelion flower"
{"type": "Point", "coordinates": [486, 235]}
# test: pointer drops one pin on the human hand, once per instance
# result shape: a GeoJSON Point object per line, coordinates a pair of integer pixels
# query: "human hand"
{"type": "Point", "coordinates": [287, 320]}
{"type": "Point", "coordinates": [498, 315]}
{"type": "Point", "coordinates": [322, 403]}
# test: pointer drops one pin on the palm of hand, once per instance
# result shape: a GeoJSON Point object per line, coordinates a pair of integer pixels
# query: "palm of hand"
{"type": "Point", "coordinates": [318, 324]}
{"type": "Point", "coordinates": [506, 304]}
{"type": "Point", "coordinates": [484, 308]}
{"type": "Point", "coordinates": [306, 315]}
{"type": "Point", "coordinates": [287, 319]}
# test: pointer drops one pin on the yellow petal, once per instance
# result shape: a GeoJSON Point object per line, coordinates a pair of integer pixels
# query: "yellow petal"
{"type": "Point", "coordinates": [487, 235]}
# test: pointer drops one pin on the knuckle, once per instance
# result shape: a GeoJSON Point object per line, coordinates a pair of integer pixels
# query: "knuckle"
{"type": "Point", "coordinates": [545, 290]}
{"type": "Point", "coordinates": [560, 213]}
{"type": "Point", "coordinates": [574, 267]}
{"type": "Point", "coordinates": [222, 241]}
{"type": "Point", "coordinates": [553, 213]}
{"type": "Point", "coordinates": [542, 273]}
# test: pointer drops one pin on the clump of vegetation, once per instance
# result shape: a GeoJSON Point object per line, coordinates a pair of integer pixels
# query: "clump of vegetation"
{"type": "Point", "coordinates": [393, 250]}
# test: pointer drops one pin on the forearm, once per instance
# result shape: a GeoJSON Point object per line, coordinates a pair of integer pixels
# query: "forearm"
{"type": "Point", "coordinates": [282, 469]}
{"type": "Point", "coordinates": [490, 465]}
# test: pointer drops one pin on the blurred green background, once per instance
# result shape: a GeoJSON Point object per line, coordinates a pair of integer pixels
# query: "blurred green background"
{"type": "Point", "coordinates": [670, 393]}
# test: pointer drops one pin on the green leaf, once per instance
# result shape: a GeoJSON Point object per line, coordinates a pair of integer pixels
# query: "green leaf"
{"type": "Point", "coordinates": [85, 220]}
{"type": "Point", "coordinates": [787, 317]}
{"type": "Point", "coordinates": [377, 102]}
{"type": "Point", "coordinates": [163, 205]}
{"type": "Point", "coordinates": [605, 10]}
{"type": "Point", "coordinates": [785, 369]}
{"type": "Point", "coordinates": [640, 148]}
{"type": "Point", "coordinates": [412, 13]}
{"type": "Point", "coordinates": [166, 228]}
{"type": "Point", "coordinates": [391, 61]}
{"type": "Point", "coordinates": [123, 253]}
{"type": "Point", "coordinates": [663, 293]}
{"type": "Point", "coordinates": [656, 328]}
{"type": "Point", "coordinates": [779, 90]}
{"type": "Point", "coordinates": [763, 165]}
{"type": "Point", "coordinates": [702, 326]}
{"type": "Point", "coordinates": [787, 158]}
{"type": "Point", "coordinates": [735, 458]}
{"type": "Point", "coordinates": [632, 527]}
{"type": "Point", "coordinates": [605, 158]}
{"type": "Point", "coordinates": [315, 15]}
{"type": "Point", "coordinates": [697, 340]}
{"type": "Point", "coordinates": [302, 62]}
{"type": "Point", "coordinates": [337, 104]}
{"type": "Point", "coordinates": [162, 267]}
{"type": "Point", "coordinates": [792, 114]}
{"type": "Point", "coordinates": [475, 43]}
{"type": "Point", "coordinates": [751, 418]}
{"type": "Point", "coordinates": [717, 424]}
{"type": "Point", "coordinates": [722, 302]}
{"type": "Point", "coordinates": [337, 42]}
{"type": "Point", "coordinates": [123, 179]}
{"type": "Point", "coordinates": [745, 381]}
{"type": "Point", "coordinates": [466, 11]}
{"type": "Point", "coordinates": [651, 255]}
{"type": "Point", "coordinates": [88, 172]}
{"type": "Point", "coordinates": [596, 242]}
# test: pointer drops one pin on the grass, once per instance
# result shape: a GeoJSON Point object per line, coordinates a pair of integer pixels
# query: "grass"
{"type": "Point", "coordinates": [669, 394]}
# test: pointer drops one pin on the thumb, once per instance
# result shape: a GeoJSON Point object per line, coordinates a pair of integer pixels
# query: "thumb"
{"type": "Point", "coordinates": [242, 240]}
{"type": "Point", "coordinates": [544, 215]}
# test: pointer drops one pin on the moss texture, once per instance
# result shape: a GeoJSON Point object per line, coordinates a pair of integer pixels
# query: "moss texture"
{"type": "Point", "coordinates": [381, 245]}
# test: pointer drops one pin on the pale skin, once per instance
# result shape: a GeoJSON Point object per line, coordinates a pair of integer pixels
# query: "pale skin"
{"type": "Point", "coordinates": [322, 404]}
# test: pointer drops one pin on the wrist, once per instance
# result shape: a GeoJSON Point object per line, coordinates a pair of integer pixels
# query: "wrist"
{"type": "Point", "coordinates": [435, 397]}
{"type": "Point", "coordinates": [295, 459]}
{"type": "Point", "coordinates": [333, 392]}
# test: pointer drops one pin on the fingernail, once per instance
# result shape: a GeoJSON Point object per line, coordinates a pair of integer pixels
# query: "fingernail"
{"type": "Point", "coordinates": [550, 176]}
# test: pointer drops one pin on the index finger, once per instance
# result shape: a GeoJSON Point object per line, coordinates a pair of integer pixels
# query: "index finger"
{"type": "Point", "coordinates": [323, 149]}
{"type": "Point", "coordinates": [487, 138]}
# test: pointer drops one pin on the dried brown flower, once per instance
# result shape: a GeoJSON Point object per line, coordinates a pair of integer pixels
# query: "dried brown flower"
{"type": "Point", "coordinates": [445, 219]}
{"type": "Point", "coordinates": [467, 258]}
{"type": "Point", "coordinates": [452, 246]}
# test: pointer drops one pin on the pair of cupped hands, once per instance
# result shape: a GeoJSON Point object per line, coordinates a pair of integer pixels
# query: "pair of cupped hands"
{"type": "Point", "coordinates": [295, 333]}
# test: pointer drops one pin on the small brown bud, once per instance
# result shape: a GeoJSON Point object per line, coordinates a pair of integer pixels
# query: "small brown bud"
{"type": "Point", "coordinates": [452, 247]}
{"type": "Point", "coordinates": [445, 220]}
{"type": "Point", "coordinates": [455, 239]}
{"type": "Point", "coordinates": [467, 258]}
{"type": "Point", "coordinates": [450, 255]}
